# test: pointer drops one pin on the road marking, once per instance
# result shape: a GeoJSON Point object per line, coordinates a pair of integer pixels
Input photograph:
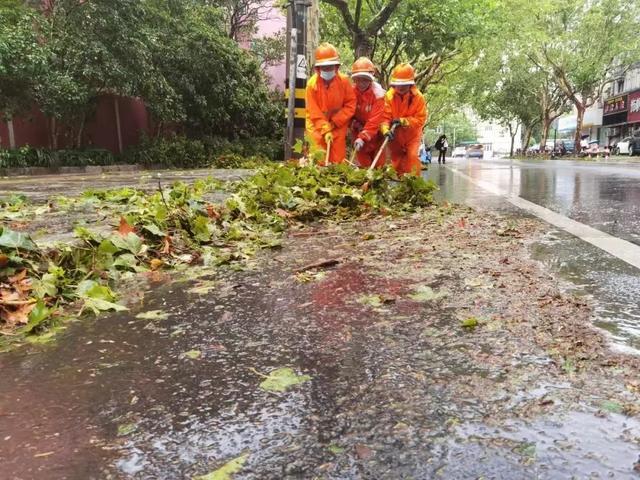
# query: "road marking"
{"type": "Point", "coordinates": [619, 248]}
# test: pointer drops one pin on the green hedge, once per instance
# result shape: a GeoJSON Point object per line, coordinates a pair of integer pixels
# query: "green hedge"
{"type": "Point", "coordinates": [171, 152]}
{"type": "Point", "coordinates": [26, 157]}
{"type": "Point", "coordinates": [218, 152]}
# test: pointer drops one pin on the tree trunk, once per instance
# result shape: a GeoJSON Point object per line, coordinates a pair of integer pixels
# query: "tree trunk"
{"type": "Point", "coordinates": [527, 138]}
{"type": "Point", "coordinates": [546, 123]}
{"type": "Point", "coordinates": [512, 134]}
{"type": "Point", "coordinates": [579, 120]}
{"type": "Point", "coordinates": [362, 45]}
{"type": "Point", "coordinates": [53, 133]}
{"type": "Point", "coordinates": [78, 139]}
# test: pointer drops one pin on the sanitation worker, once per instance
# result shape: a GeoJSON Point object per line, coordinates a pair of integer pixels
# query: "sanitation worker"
{"type": "Point", "coordinates": [365, 126]}
{"type": "Point", "coordinates": [406, 109]}
{"type": "Point", "coordinates": [330, 104]}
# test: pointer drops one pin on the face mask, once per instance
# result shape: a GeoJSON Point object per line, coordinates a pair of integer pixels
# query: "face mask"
{"type": "Point", "coordinates": [327, 75]}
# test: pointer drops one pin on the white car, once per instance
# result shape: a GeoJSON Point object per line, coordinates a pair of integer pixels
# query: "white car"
{"type": "Point", "coordinates": [458, 152]}
{"type": "Point", "coordinates": [628, 146]}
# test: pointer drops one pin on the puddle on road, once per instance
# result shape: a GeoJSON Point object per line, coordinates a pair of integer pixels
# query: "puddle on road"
{"type": "Point", "coordinates": [612, 285]}
{"type": "Point", "coordinates": [566, 446]}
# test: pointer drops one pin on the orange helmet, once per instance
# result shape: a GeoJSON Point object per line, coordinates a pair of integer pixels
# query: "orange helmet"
{"type": "Point", "coordinates": [327, 54]}
{"type": "Point", "coordinates": [403, 74]}
{"type": "Point", "coordinates": [363, 67]}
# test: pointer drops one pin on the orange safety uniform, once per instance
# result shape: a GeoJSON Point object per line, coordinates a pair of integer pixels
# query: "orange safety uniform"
{"type": "Point", "coordinates": [366, 123]}
{"type": "Point", "coordinates": [330, 107]}
{"type": "Point", "coordinates": [404, 147]}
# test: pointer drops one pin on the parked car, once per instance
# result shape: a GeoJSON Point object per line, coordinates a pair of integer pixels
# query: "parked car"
{"type": "Point", "coordinates": [535, 148]}
{"type": "Point", "coordinates": [458, 151]}
{"type": "Point", "coordinates": [475, 151]}
{"type": "Point", "coordinates": [628, 146]}
{"type": "Point", "coordinates": [569, 145]}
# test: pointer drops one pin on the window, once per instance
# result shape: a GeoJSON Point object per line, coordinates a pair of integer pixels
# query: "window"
{"type": "Point", "coordinates": [620, 85]}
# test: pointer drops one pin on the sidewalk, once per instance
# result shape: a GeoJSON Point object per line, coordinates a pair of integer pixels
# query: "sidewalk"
{"type": "Point", "coordinates": [39, 188]}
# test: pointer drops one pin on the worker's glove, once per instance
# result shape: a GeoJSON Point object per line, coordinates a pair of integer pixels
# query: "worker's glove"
{"type": "Point", "coordinates": [395, 122]}
{"type": "Point", "coordinates": [404, 122]}
{"type": "Point", "coordinates": [358, 144]}
{"type": "Point", "coordinates": [387, 132]}
{"type": "Point", "coordinates": [328, 137]}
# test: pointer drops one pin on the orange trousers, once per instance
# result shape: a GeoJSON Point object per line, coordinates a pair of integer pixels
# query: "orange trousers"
{"type": "Point", "coordinates": [404, 155]}
{"type": "Point", "coordinates": [338, 151]}
{"type": "Point", "coordinates": [368, 152]}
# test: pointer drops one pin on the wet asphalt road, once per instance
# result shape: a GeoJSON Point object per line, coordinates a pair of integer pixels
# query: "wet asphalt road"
{"type": "Point", "coordinates": [173, 416]}
{"type": "Point", "coordinates": [605, 196]}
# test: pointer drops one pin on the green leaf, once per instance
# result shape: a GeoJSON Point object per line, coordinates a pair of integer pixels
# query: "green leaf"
{"type": "Point", "coordinates": [335, 449]}
{"type": "Point", "coordinates": [38, 315]}
{"type": "Point", "coordinates": [193, 354]}
{"type": "Point", "coordinates": [426, 294]}
{"type": "Point", "coordinates": [86, 234]}
{"type": "Point", "coordinates": [130, 242]}
{"type": "Point", "coordinates": [13, 239]}
{"type": "Point", "coordinates": [371, 300]}
{"type": "Point", "coordinates": [107, 247]}
{"type": "Point", "coordinates": [126, 260]}
{"type": "Point", "coordinates": [227, 471]}
{"type": "Point", "coordinates": [98, 305]}
{"type": "Point", "coordinates": [526, 449]}
{"type": "Point", "coordinates": [611, 406]}
{"type": "Point", "coordinates": [98, 297]}
{"type": "Point", "coordinates": [46, 286]}
{"type": "Point", "coordinates": [153, 315]}
{"type": "Point", "coordinates": [471, 322]}
{"type": "Point", "coordinates": [154, 230]}
{"type": "Point", "coordinates": [126, 429]}
{"type": "Point", "coordinates": [282, 379]}
{"type": "Point", "coordinates": [92, 289]}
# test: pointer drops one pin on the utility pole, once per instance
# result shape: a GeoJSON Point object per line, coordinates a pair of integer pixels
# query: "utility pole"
{"type": "Point", "coordinates": [296, 80]}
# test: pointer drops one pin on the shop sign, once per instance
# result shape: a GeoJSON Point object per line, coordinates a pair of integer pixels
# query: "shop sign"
{"type": "Point", "coordinates": [634, 107]}
{"type": "Point", "coordinates": [615, 105]}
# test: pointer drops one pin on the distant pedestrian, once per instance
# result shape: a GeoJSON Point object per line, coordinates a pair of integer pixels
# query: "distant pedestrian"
{"type": "Point", "coordinates": [441, 146]}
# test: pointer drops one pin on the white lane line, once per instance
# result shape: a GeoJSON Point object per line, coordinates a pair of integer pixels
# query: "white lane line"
{"type": "Point", "coordinates": [622, 249]}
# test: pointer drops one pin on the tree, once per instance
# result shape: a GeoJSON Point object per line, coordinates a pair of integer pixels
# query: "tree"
{"type": "Point", "coordinates": [218, 86]}
{"type": "Point", "coordinates": [93, 48]}
{"type": "Point", "coordinates": [583, 46]}
{"type": "Point", "coordinates": [22, 58]}
{"type": "Point", "coordinates": [270, 50]}
{"type": "Point", "coordinates": [242, 16]}
{"type": "Point", "coordinates": [437, 38]}
{"type": "Point", "coordinates": [364, 21]}
{"type": "Point", "coordinates": [553, 103]}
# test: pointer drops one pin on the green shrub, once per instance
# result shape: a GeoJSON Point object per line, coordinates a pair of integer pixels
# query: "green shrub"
{"type": "Point", "coordinates": [217, 152]}
{"type": "Point", "coordinates": [247, 147]}
{"type": "Point", "coordinates": [25, 157]}
{"type": "Point", "coordinates": [172, 152]}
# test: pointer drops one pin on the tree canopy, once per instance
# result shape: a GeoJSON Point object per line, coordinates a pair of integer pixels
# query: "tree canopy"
{"type": "Point", "coordinates": [176, 56]}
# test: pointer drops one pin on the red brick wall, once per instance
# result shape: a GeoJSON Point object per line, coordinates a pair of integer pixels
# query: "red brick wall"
{"type": "Point", "coordinates": [101, 131]}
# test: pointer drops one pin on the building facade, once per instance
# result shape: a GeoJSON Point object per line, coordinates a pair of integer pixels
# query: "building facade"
{"type": "Point", "coordinates": [621, 105]}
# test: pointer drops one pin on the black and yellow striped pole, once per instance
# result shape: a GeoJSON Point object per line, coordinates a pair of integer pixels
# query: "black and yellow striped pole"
{"type": "Point", "coordinates": [296, 80]}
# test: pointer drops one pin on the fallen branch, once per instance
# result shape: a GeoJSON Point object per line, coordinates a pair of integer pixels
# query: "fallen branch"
{"type": "Point", "coordinates": [321, 264]}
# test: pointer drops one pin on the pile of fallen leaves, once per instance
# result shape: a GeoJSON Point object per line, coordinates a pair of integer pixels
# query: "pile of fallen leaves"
{"type": "Point", "coordinates": [181, 226]}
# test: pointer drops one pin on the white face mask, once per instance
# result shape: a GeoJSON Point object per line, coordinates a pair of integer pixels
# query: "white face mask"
{"type": "Point", "coordinates": [327, 75]}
